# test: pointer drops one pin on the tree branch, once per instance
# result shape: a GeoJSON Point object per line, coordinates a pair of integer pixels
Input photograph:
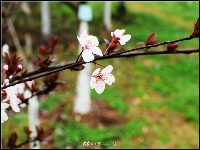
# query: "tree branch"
{"type": "Point", "coordinates": [129, 53]}
{"type": "Point", "coordinates": [42, 70]}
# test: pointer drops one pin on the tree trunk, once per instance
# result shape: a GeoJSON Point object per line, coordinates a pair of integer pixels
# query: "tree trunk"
{"type": "Point", "coordinates": [107, 15]}
{"type": "Point", "coordinates": [45, 13]}
{"type": "Point", "coordinates": [82, 102]}
{"type": "Point", "coordinates": [33, 107]}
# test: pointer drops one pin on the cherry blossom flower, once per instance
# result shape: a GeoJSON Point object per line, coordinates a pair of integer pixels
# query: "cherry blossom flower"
{"type": "Point", "coordinates": [118, 36]}
{"type": "Point", "coordinates": [100, 78]}
{"type": "Point", "coordinates": [4, 116]}
{"type": "Point", "coordinates": [20, 88]}
{"type": "Point", "coordinates": [11, 97]}
{"type": "Point", "coordinates": [90, 46]}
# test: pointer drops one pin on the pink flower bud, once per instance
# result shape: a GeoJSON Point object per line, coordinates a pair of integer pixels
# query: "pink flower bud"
{"type": "Point", "coordinates": [5, 68]}
{"type": "Point", "coordinates": [19, 68]}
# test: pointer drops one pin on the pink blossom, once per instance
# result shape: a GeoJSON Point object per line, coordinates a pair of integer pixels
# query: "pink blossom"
{"type": "Point", "coordinates": [100, 78]}
{"type": "Point", "coordinates": [90, 46]}
{"type": "Point", "coordinates": [119, 37]}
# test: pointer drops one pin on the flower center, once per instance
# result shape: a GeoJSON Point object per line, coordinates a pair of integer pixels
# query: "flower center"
{"type": "Point", "coordinates": [99, 76]}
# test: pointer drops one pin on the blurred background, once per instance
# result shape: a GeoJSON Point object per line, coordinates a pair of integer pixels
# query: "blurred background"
{"type": "Point", "coordinates": [154, 102]}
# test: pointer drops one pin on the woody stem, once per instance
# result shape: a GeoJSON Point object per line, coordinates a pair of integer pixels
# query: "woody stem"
{"type": "Point", "coordinates": [106, 51]}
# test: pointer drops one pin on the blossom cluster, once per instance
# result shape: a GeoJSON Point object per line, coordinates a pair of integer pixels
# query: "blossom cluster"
{"type": "Point", "coordinates": [90, 48]}
{"type": "Point", "coordinates": [14, 95]}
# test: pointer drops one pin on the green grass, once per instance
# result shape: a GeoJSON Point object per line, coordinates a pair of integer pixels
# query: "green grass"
{"type": "Point", "coordinates": [113, 97]}
{"type": "Point", "coordinates": [75, 133]}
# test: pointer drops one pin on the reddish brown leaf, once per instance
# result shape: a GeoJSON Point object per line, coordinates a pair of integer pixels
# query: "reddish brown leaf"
{"type": "Point", "coordinates": [11, 69]}
{"type": "Point", "coordinates": [7, 58]}
{"type": "Point", "coordinates": [53, 41]}
{"type": "Point", "coordinates": [77, 68]}
{"type": "Point", "coordinates": [112, 47]}
{"type": "Point", "coordinates": [172, 46]}
{"type": "Point", "coordinates": [23, 73]}
{"type": "Point", "coordinates": [151, 40]}
{"type": "Point", "coordinates": [195, 33]}
{"type": "Point", "coordinates": [27, 132]}
{"type": "Point", "coordinates": [12, 140]}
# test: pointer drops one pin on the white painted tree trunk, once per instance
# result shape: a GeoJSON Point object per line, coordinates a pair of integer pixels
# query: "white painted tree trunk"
{"type": "Point", "coordinates": [82, 102]}
{"type": "Point", "coordinates": [33, 107]}
{"type": "Point", "coordinates": [45, 14]}
{"type": "Point", "coordinates": [33, 116]}
{"type": "Point", "coordinates": [107, 15]}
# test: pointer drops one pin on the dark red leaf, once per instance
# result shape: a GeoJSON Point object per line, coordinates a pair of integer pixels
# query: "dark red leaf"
{"type": "Point", "coordinates": [27, 132]}
{"type": "Point", "coordinates": [53, 41]}
{"type": "Point", "coordinates": [43, 49]}
{"type": "Point", "coordinates": [172, 46]}
{"type": "Point", "coordinates": [151, 40]}
{"type": "Point", "coordinates": [23, 73]}
{"type": "Point", "coordinates": [12, 140]}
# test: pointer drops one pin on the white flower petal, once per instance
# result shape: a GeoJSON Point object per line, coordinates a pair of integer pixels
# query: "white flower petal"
{"type": "Point", "coordinates": [124, 39]}
{"type": "Point", "coordinates": [4, 116]}
{"type": "Point", "coordinates": [19, 88]}
{"type": "Point", "coordinates": [108, 69]}
{"type": "Point", "coordinates": [81, 41]}
{"type": "Point", "coordinates": [30, 83]}
{"type": "Point", "coordinates": [27, 94]}
{"type": "Point", "coordinates": [96, 72]}
{"type": "Point", "coordinates": [112, 34]}
{"type": "Point", "coordinates": [109, 79]}
{"type": "Point", "coordinates": [82, 38]}
{"type": "Point", "coordinates": [100, 86]}
{"type": "Point", "coordinates": [119, 33]}
{"type": "Point", "coordinates": [14, 101]}
{"type": "Point", "coordinates": [93, 82]}
{"type": "Point", "coordinates": [4, 105]}
{"type": "Point", "coordinates": [15, 107]}
{"type": "Point", "coordinates": [92, 41]}
{"type": "Point", "coordinates": [84, 35]}
{"type": "Point", "coordinates": [97, 51]}
{"type": "Point", "coordinates": [87, 55]}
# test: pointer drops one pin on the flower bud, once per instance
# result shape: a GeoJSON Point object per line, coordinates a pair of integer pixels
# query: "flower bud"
{"type": "Point", "coordinates": [172, 46]}
{"type": "Point", "coordinates": [19, 68]}
{"type": "Point", "coordinates": [5, 69]}
{"type": "Point", "coordinates": [43, 49]}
